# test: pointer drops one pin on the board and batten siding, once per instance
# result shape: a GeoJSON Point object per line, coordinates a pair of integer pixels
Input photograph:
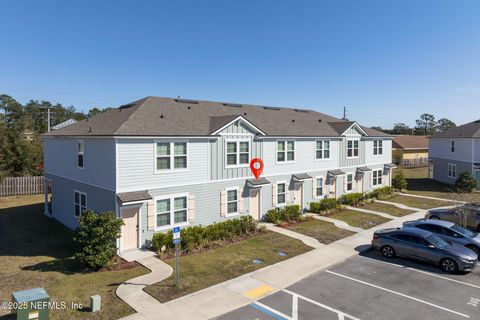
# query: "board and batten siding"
{"type": "Point", "coordinates": [60, 159]}
{"type": "Point", "coordinates": [136, 165]}
{"type": "Point", "coordinates": [217, 149]}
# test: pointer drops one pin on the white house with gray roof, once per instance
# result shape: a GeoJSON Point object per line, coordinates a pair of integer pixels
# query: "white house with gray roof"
{"type": "Point", "coordinates": [455, 151]}
{"type": "Point", "coordinates": [160, 163]}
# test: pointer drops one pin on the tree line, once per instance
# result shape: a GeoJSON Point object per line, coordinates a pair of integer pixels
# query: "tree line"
{"type": "Point", "coordinates": [425, 125]}
{"type": "Point", "coordinates": [21, 152]}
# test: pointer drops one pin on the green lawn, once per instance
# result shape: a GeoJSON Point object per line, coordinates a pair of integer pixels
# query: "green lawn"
{"type": "Point", "coordinates": [420, 203]}
{"type": "Point", "coordinates": [419, 184]}
{"type": "Point", "coordinates": [386, 208]}
{"type": "Point", "coordinates": [358, 219]}
{"type": "Point", "coordinates": [324, 232]}
{"type": "Point", "coordinates": [202, 270]}
{"type": "Point", "coordinates": [36, 251]}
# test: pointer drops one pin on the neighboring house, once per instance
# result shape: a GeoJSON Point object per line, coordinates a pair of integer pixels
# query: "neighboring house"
{"type": "Point", "coordinates": [455, 151]}
{"type": "Point", "coordinates": [410, 151]}
{"type": "Point", "coordinates": [160, 163]}
{"type": "Point", "coordinates": [64, 124]}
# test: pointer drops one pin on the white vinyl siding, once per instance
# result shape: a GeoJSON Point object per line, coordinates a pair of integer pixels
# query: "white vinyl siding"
{"type": "Point", "coordinates": [79, 203]}
{"type": "Point", "coordinates": [377, 147]}
{"type": "Point", "coordinates": [452, 170]}
{"type": "Point", "coordinates": [285, 151]}
{"type": "Point", "coordinates": [80, 154]}
{"type": "Point", "coordinates": [377, 177]}
{"type": "Point", "coordinates": [171, 156]}
{"type": "Point", "coordinates": [322, 149]}
{"type": "Point", "coordinates": [281, 193]}
{"type": "Point", "coordinates": [171, 211]}
{"type": "Point", "coordinates": [352, 148]}
{"type": "Point", "coordinates": [237, 153]}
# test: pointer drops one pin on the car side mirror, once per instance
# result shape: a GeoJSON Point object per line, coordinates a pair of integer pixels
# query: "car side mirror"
{"type": "Point", "coordinates": [431, 246]}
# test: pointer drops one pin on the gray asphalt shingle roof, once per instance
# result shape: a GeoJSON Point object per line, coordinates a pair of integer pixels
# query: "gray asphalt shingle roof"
{"type": "Point", "coordinates": [134, 196]}
{"type": "Point", "coordinates": [157, 116]}
{"type": "Point", "coordinates": [469, 130]}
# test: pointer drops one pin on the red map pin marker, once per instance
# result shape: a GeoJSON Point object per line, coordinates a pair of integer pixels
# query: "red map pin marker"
{"type": "Point", "coordinates": [256, 165]}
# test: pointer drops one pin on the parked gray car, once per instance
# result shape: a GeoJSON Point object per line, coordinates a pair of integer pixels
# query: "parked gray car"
{"type": "Point", "coordinates": [425, 246]}
{"type": "Point", "coordinates": [473, 220]}
{"type": "Point", "coordinates": [449, 232]}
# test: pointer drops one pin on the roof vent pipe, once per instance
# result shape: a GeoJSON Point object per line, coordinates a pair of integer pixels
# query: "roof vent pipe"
{"type": "Point", "coordinates": [161, 116]}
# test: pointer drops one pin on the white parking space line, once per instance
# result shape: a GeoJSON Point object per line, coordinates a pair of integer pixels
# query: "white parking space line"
{"type": "Point", "coordinates": [274, 311]}
{"type": "Point", "coordinates": [398, 293]}
{"type": "Point", "coordinates": [295, 308]}
{"type": "Point", "coordinates": [427, 273]}
{"type": "Point", "coordinates": [341, 314]}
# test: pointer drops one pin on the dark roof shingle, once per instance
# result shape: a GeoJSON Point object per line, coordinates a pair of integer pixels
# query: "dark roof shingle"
{"type": "Point", "coordinates": [469, 130]}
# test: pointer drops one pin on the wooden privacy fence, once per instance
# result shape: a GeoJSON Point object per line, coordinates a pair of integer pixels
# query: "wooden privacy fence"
{"type": "Point", "coordinates": [15, 186]}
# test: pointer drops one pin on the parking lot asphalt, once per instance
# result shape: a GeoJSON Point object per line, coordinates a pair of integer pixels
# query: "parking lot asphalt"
{"type": "Point", "coordinates": [369, 286]}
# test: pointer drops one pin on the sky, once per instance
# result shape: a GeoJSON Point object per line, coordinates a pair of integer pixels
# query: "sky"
{"type": "Point", "coordinates": [386, 61]}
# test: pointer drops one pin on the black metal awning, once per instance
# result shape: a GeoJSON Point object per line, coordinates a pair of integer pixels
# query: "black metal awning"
{"type": "Point", "coordinates": [257, 183]}
{"type": "Point", "coordinates": [135, 196]}
{"type": "Point", "coordinates": [301, 177]}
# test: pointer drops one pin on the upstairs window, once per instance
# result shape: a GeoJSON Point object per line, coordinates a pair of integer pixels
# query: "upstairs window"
{"type": "Point", "coordinates": [322, 150]}
{"type": "Point", "coordinates": [377, 177]}
{"type": "Point", "coordinates": [80, 203]}
{"type": "Point", "coordinates": [238, 153]}
{"type": "Point", "coordinates": [171, 156]}
{"type": "Point", "coordinates": [352, 148]}
{"type": "Point", "coordinates": [285, 151]}
{"type": "Point", "coordinates": [377, 147]}
{"type": "Point", "coordinates": [281, 193]}
{"type": "Point", "coordinates": [349, 182]}
{"type": "Point", "coordinates": [452, 146]}
{"type": "Point", "coordinates": [80, 154]}
{"type": "Point", "coordinates": [452, 170]}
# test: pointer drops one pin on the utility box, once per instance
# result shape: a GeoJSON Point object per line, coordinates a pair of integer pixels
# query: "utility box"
{"type": "Point", "coordinates": [32, 304]}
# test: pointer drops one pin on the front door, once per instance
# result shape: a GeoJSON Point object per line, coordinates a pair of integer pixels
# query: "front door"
{"type": "Point", "coordinates": [255, 203]}
{"type": "Point", "coordinates": [477, 176]}
{"type": "Point", "coordinates": [129, 238]}
{"type": "Point", "coordinates": [299, 194]}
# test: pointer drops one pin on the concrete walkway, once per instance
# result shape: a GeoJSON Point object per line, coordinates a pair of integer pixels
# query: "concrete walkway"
{"type": "Point", "coordinates": [399, 205]}
{"type": "Point", "coordinates": [309, 241]}
{"type": "Point", "coordinates": [235, 293]}
{"type": "Point", "coordinates": [378, 213]}
{"type": "Point", "coordinates": [338, 223]}
{"type": "Point", "coordinates": [431, 198]}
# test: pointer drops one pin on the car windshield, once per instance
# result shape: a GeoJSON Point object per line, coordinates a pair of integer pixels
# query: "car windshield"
{"type": "Point", "coordinates": [463, 231]}
{"type": "Point", "coordinates": [437, 241]}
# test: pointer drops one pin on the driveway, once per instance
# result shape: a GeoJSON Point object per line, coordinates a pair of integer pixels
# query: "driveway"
{"type": "Point", "coordinates": [370, 287]}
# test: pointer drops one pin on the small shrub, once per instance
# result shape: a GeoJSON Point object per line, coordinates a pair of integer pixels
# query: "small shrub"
{"type": "Point", "coordinates": [95, 238]}
{"type": "Point", "coordinates": [284, 214]}
{"type": "Point", "coordinates": [399, 182]}
{"type": "Point", "coordinates": [352, 199]}
{"type": "Point", "coordinates": [325, 205]}
{"type": "Point", "coordinates": [465, 183]}
{"type": "Point", "coordinates": [381, 193]}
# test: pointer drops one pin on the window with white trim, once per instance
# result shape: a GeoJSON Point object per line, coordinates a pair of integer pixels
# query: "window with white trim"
{"type": "Point", "coordinates": [80, 203]}
{"type": "Point", "coordinates": [171, 211]}
{"type": "Point", "coordinates": [238, 153]}
{"type": "Point", "coordinates": [319, 187]}
{"type": "Point", "coordinates": [352, 148]}
{"type": "Point", "coordinates": [286, 151]}
{"type": "Point", "coordinates": [452, 170]}
{"type": "Point", "coordinates": [377, 177]}
{"type": "Point", "coordinates": [281, 193]}
{"type": "Point", "coordinates": [349, 182]}
{"type": "Point", "coordinates": [452, 146]}
{"type": "Point", "coordinates": [232, 201]}
{"type": "Point", "coordinates": [80, 154]}
{"type": "Point", "coordinates": [322, 150]}
{"type": "Point", "coordinates": [171, 156]}
{"type": "Point", "coordinates": [377, 147]}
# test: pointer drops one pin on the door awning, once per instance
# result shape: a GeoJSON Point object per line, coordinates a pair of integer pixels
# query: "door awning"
{"type": "Point", "coordinates": [336, 173]}
{"type": "Point", "coordinates": [301, 177]}
{"type": "Point", "coordinates": [363, 170]}
{"type": "Point", "coordinates": [135, 196]}
{"type": "Point", "coordinates": [257, 183]}
{"type": "Point", "coordinates": [390, 166]}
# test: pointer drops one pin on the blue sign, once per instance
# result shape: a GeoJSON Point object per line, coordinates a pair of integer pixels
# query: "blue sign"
{"type": "Point", "coordinates": [176, 230]}
{"type": "Point", "coordinates": [176, 241]}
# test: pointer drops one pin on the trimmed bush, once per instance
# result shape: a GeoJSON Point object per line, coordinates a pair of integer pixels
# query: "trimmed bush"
{"type": "Point", "coordinates": [381, 193]}
{"type": "Point", "coordinates": [352, 199]}
{"type": "Point", "coordinates": [283, 214]}
{"type": "Point", "coordinates": [465, 183]}
{"type": "Point", "coordinates": [95, 238]}
{"type": "Point", "coordinates": [399, 182]}
{"type": "Point", "coordinates": [325, 205]}
{"type": "Point", "coordinates": [197, 237]}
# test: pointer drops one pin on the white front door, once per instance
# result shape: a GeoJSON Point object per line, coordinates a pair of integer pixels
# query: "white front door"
{"type": "Point", "coordinates": [129, 235]}
{"type": "Point", "coordinates": [255, 204]}
{"type": "Point", "coordinates": [299, 195]}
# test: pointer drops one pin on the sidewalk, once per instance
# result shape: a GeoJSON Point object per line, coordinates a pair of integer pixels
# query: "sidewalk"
{"type": "Point", "coordinates": [241, 291]}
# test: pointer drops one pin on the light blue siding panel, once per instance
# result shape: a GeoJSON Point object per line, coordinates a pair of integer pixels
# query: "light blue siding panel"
{"type": "Point", "coordinates": [440, 169]}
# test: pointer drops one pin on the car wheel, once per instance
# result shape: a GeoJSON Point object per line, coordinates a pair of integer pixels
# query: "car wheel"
{"type": "Point", "coordinates": [474, 249]}
{"type": "Point", "coordinates": [448, 265]}
{"type": "Point", "coordinates": [434, 218]}
{"type": "Point", "coordinates": [388, 252]}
